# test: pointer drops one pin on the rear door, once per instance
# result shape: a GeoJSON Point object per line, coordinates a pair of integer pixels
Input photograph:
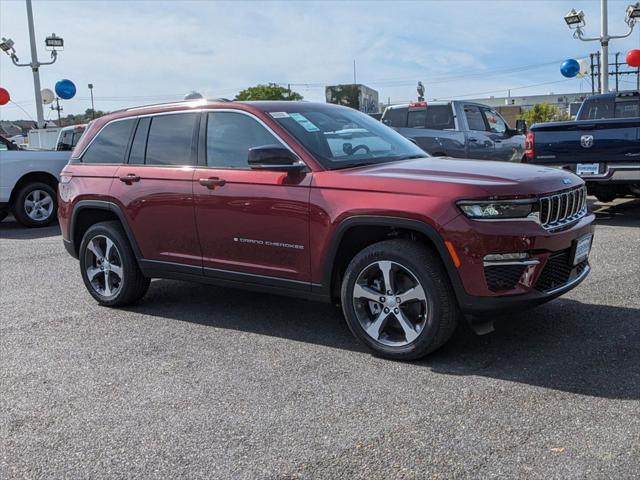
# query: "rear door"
{"type": "Point", "coordinates": [253, 225]}
{"type": "Point", "coordinates": [155, 188]}
{"type": "Point", "coordinates": [479, 144]}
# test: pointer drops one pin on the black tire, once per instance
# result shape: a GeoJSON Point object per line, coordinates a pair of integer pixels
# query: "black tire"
{"type": "Point", "coordinates": [442, 312]}
{"type": "Point", "coordinates": [606, 198]}
{"type": "Point", "coordinates": [19, 206]}
{"type": "Point", "coordinates": [133, 284]}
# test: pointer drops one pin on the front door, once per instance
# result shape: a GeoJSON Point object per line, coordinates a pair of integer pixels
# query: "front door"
{"type": "Point", "coordinates": [253, 225]}
{"type": "Point", "coordinates": [155, 189]}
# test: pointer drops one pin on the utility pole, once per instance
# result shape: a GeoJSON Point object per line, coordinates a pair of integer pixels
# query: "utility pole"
{"type": "Point", "coordinates": [354, 73]}
{"type": "Point", "coordinates": [52, 42]}
{"type": "Point", "coordinates": [58, 108]}
{"type": "Point", "coordinates": [575, 21]}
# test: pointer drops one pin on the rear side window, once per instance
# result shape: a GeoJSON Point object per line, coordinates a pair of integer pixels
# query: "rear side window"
{"type": "Point", "coordinates": [170, 139]}
{"type": "Point", "coordinates": [230, 136]}
{"type": "Point", "coordinates": [475, 119]}
{"type": "Point", "coordinates": [440, 117]}
{"type": "Point", "coordinates": [110, 145]}
{"type": "Point", "coordinates": [395, 117]}
{"type": "Point", "coordinates": [417, 118]}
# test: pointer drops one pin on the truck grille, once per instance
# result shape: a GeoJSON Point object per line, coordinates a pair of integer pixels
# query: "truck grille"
{"type": "Point", "coordinates": [563, 208]}
{"type": "Point", "coordinates": [558, 271]}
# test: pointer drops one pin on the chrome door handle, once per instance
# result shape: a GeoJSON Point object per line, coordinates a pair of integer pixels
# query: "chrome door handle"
{"type": "Point", "coordinates": [130, 178]}
{"type": "Point", "coordinates": [212, 182]}
{"type": "Point", "coordinates": [632, 154]}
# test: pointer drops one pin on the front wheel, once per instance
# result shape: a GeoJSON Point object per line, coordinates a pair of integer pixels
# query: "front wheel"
{"type": "Point", "coordinates": [109, 267]}
{"type": "Point", "coordinates": [397, 299]}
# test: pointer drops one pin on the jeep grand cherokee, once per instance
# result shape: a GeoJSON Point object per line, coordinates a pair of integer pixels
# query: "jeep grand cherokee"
{"type": "Point", "coordinates": [323, 202]}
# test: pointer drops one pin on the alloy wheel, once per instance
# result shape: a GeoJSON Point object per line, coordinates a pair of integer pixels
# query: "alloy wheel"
{"type": "Point", "coordinates": [390, 303]}
{"type": "Point", "coordinates": [38, 205]}
{"type": "Point", "coordinates": [103, 266]}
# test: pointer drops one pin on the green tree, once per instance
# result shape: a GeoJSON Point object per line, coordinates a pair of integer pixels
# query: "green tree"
{"type": "Point", "coordinates": [544, 112]}
{"type": "Point", "coordinates": [271, 91]}
{"type": "Point", "coordinates": [85, 117]}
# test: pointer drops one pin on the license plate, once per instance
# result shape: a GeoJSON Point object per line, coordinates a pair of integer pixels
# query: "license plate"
{"type": "Point", "coordinates": [588, 169]}
{"type": "Point", "coordinates": [583, 246]}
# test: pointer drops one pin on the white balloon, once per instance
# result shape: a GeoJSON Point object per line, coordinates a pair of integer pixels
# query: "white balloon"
{"type": "Point", "coordinates": [585, 67]}
{"type": "Point", "coordinates": [47, 96]}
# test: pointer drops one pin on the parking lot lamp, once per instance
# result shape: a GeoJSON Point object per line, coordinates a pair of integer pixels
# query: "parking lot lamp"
{"type": "Point", "coordinates": [575, 21]}
{"type": "Point", "coordinates": [52, 43]}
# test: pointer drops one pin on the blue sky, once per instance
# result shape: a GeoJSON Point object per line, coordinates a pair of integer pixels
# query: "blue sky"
{"type": "Point", "coordinates": [137, 52]}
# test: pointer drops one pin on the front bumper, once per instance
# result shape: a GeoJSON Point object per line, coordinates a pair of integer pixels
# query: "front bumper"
{"type": "Point", "coordinates": [543, 278]}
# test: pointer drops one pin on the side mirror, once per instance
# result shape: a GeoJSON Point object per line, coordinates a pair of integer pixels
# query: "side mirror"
{"type": "Point", "coordinates": [274, 158]}
{"type": "Point", "coordinates": [521, 127]}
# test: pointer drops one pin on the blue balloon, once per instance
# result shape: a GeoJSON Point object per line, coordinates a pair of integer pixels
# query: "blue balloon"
{"type": "Point", "coordinates": [65, 89]}
{"type": "Point", "coordinates": [570, 68]}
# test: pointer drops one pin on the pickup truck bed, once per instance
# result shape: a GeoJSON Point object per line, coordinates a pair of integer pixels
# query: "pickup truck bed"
{"type": "Point", "coordinates": [605, 152]}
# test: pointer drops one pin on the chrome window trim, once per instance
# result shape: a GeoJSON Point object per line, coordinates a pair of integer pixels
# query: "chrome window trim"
{"type": "Point", "coordinates": [182, 111]}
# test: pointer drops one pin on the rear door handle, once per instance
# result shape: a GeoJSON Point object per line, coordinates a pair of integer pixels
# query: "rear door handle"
{"type": "Point", "coordinates": [130, 178]}
{"type": "Point", "coordinates": [212, 182]}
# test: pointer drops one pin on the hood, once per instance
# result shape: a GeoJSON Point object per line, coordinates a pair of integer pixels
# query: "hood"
{"type": "Point", "coordinates": [463, 177]}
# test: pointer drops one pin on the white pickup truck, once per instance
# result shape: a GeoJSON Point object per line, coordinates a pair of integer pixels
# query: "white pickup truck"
{"type": "Point", "coordinates": [29, 184]}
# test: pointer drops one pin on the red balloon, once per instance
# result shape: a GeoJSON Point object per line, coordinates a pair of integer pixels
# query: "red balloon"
{"type": "Point", "coordinates": [4, 96]}
{"type": "Point", "coordinates": [633, 58]}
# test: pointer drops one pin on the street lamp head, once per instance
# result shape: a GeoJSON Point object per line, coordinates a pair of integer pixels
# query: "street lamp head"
{"type": "Point", "coordinates": [575, 19]}
{"type": "Point", "coordinates": [7, 46]}
{"type": "Point", "coordinates": [53, 43]}
{"type": "Point", "coordinates": [632, 14]}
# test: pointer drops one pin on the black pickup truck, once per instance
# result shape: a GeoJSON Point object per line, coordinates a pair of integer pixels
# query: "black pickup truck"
{"type": "Point", "coordinates": [602, 145]}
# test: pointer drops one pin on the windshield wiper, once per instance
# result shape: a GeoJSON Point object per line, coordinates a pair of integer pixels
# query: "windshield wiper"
{"type": "Point", "coordinates": [411, 157]}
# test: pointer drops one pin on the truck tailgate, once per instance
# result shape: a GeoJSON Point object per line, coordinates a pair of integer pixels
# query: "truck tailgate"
{"type": "Point", "coordinates": [588, 141]}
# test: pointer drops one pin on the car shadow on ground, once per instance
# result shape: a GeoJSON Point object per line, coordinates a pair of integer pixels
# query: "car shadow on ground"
{"type": "Point", "coordinates": [622, 213]}
{"type": "Point", "coordinates": [12, 230]}
{"type": "Point", "coordinates": [565, 345]}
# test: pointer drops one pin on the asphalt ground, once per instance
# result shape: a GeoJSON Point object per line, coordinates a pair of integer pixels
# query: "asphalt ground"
{"type": "Point", "coordinates": [203, 382]}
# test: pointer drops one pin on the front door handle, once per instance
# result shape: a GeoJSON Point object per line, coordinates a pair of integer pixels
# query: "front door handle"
{"type": "Point", "coordinates": [130, 178]}
{"type": "Point", "coordinates": [212, 182]}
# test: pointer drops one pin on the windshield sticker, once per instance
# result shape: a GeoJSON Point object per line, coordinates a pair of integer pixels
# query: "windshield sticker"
{"type": "Point", "coordinates": [304, 122]}
{"type": "Point", "coordinates": [279, 114]}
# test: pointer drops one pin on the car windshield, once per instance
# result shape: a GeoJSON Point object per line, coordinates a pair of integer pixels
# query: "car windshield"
{"type": "Point", "coordinates": [340, 137]}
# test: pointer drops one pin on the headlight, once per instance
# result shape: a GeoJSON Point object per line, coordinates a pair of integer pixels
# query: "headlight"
{"type": "Point", "coordinates": [498, 209]}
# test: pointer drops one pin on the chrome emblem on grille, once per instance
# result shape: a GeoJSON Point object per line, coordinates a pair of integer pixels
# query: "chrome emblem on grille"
{"type": "Point", "coordinates": [586, 141]}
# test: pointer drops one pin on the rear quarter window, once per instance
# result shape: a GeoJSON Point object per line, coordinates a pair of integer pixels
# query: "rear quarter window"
{"type": "Point", "coordinates": [110, 144]}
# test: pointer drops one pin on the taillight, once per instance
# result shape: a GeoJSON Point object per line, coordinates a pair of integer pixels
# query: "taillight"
{"type": "Point", "coordinates": [529, 146]}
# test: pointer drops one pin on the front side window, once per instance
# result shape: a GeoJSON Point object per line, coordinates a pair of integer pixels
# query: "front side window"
{"type": "Point", "coordinates": [475, 119]}
{"type": "Point", "coordinates": [230, 135]}
{"type": "Point", "coordinates": [340, 137]}
{"type": "Point", "coordinates": [495, 122]}
{"type": "Point", "coordinates": [110, 145]}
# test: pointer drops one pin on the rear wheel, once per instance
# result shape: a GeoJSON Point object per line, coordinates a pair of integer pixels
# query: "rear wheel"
{"type": "Point", "coordinates": [109, 268]}
{"type": "Point", "coordinates": [35, 205]}
{"type": "Point", "coordinates": [397, 299]}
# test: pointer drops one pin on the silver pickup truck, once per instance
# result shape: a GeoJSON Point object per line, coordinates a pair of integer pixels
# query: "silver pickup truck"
{"type": "Point", "coordinates": [458, 129]}
{"type": "Point", "coordinates": [29, 184]}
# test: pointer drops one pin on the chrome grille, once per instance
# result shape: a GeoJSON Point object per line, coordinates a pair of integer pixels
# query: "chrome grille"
{"type": "Point", "coordinates": [563, 208]}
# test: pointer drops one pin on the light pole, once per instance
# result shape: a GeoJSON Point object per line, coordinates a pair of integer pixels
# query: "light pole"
{"type": "Point", "coordinates": [575, 21]}
{"type": "Point", "coordinates": [52, 43]}
{"type": "Point", "coordinates": [93, 109]}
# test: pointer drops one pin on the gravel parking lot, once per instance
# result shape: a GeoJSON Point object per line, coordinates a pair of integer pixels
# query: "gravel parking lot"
{"type": "Point", "coordinates": [201, 382]}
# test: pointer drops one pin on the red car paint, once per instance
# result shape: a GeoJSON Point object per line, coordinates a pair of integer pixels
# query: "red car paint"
{"type": "Point", "coordinates": [178, 222]}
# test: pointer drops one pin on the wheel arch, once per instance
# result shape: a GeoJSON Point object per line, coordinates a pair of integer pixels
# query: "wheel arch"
{"type": "Point", "coordinates": [32, 177]}
{"type": "Point", "coordinates": [89, 212]}
{"type": "Point", "coordinates": [356, 233]}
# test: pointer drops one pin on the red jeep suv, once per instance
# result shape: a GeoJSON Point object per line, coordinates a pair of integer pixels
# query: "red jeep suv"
{"type": "Point", "coordinates": [323, 202]}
